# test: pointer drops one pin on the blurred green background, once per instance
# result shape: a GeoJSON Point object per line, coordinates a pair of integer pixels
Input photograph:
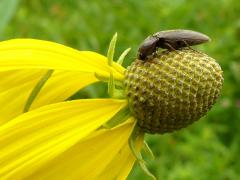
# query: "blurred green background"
{"type": "Point", "coordinates": [208, 149]}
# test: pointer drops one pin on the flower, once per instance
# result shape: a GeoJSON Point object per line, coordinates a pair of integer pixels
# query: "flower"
{"type": "Point", "coordinates": [45, 136]}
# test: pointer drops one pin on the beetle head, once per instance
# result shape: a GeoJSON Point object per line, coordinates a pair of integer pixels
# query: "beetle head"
{"type": "Point", "coordinates": [148, 46]}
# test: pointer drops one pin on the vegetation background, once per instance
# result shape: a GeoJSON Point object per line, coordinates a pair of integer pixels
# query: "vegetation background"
{"type": "Point", "coordinates": [208, 149]}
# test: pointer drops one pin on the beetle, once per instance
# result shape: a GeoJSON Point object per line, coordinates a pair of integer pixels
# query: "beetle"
{"type": "Point", "coordinates": [171, 40]}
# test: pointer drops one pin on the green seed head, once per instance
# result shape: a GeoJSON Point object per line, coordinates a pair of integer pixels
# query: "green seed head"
{"type": "Point", "coordinates": [172, 89]}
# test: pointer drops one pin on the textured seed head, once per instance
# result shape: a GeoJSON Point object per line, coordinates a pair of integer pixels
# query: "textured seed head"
{"type": "Point", "coordinates": [172, 89]}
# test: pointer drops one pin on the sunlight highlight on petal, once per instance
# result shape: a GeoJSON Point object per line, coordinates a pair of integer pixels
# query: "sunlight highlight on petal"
{"type": "Point", "coordinates": [37, 137]}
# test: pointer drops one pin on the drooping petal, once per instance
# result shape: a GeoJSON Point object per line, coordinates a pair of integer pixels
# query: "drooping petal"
{"type": "Point", "coordinates": [61, 86]}
{"type": "Point", "coordinates": [16, 86]}
{"type": "Point", "coordinates": [35, 138]}
{"type": "Point", "coordinates": [120, 167]}
{"type": "Point", "coordinates": [130, 160]}
{"type": "Point", "coordinates": [39, 54]}
{"type": "Point", "coordinates": [90, 157]}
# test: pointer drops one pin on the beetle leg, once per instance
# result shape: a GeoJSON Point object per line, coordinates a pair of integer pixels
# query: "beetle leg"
{"type": "Point", "coordinates": [170, 47]}
{"type": "Point", "coordinates": [185, 42]}
{"type": "Point", "coordinates": [187, 45]}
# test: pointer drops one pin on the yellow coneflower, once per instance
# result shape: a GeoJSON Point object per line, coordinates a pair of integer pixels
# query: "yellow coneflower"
{"type": "Point", "coordinates": [45, 136]}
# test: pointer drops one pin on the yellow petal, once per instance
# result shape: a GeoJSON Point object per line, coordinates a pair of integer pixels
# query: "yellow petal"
{"type": "Point", "coordinates": [120, 167]}
{"type": "Point", "coordinates": [88, 158]}
{"type": "Point", "coordinates": [130, 160]}
{"type": "Point", "coordinates": [16, 86]}
{"type": "Point", "coordinates": [61, 86]}
{"type": "Point", "coordinates": [15, 89]}
{"type": "Point", "coordinates": [14, 78]}
{"type": "Point", "coordinates": [38, 54]}
{"type": "Point", "coordinates": [35, 138]}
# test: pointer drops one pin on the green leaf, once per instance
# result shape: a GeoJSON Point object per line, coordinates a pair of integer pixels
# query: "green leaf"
{"type": "Point", "coordinates": [7, 10]}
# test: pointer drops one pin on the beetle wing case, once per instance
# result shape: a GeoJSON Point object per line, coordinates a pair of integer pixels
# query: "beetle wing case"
{"type": "Point", "coordinates": [189, 36]}
{"type": "Point", "coordinates": [172, 40]}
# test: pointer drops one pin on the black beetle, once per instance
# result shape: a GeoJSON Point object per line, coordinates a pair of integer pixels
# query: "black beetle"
{"type": "Point", "coordinates": [172, 40]}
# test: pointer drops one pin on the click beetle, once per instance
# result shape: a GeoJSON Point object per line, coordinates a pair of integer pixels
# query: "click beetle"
{"type": "Point", "coordinates": [171, 40]}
